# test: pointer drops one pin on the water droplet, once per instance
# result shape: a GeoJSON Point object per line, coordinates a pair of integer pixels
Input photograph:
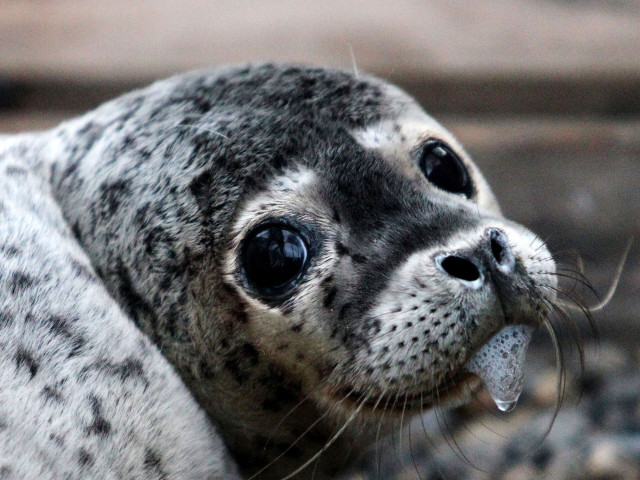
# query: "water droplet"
{"type": "Point", "coordinates": [500, 363]}
{"type": "Point", "coordinates": [506, 406]}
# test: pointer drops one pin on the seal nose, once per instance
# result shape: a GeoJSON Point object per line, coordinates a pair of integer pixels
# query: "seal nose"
{"type": "Point", "coordinates": [494, 253]}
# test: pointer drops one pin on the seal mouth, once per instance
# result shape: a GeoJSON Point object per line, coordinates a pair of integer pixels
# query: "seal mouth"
{"type": "Point", "coordinates": [400, 402]}
{"type": "Point", "coordinates": [498, 364]}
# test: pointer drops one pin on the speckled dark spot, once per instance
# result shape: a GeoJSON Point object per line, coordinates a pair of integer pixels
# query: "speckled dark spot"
{"type": "Point", "coordinates": [344, 310]}
{"type": "Point", "coordinates": [59, 326]}
{"type": "Point", "coordinates": [85, 459]}
{"type": "Point", "coordinates": [57, 439]}
{"type": "Point", "coordinates": [13, 170]}
{"type": "Point", "coordinates": [5, 319]}
{"type": "Point", "coordinates": [99, 425]}
{"type": "Point", "coordinates": [10, 250]}
{"type": "Point", "coordinates": [241, 360]}
{"type": "Point", "coordinates": [201, 187]}
{"type": "Point", "coordinates": [341, 249]}
{"type": "Point", "coordinates": [330, 297]}
{"type": "Point", "coordinates": [81, 270]}
{"type": "Point", "coordinates": [130, 368]}
{"type": "Point", "coordinates": [19, 282]}
{"type": "Point", "coordinates": [51, 393]}
{"type": "Point", "coordinates": [62, 327]}
{"type": "Point", "coordinates": [25, 359]}
{"type": "Point", "coordinates": [76, 230]}
{"type": "Point", "coordinates": [328, 279]}
{"type": "Point", "coordinates": [6, 472]}
{"type": "Point", "coordinates": [542, 457]}
{"type": "Point", "coordinates": [357, 258]}
{"type": "Point", "coordinates": [111, 194]}
{"type": "Point", "coordinates": [132, 301]}
{"type": "Point", "coordinates": [153, 462]}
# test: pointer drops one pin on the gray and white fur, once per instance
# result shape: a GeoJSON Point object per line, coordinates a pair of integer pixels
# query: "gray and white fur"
{"type": "Point", "coordinates": [132, 343]}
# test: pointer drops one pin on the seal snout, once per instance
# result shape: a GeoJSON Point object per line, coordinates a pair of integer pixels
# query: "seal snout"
{"type": "Point", "coordinates": [470, 267]}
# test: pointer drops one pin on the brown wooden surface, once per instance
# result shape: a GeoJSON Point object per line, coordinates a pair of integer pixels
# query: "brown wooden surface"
{"type": "Point", "coordinates": [454, 55]}
{"type": "Point", "coordinates": [123, 40]}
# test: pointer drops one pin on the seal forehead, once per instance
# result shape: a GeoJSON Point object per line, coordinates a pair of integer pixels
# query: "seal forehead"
{"type": "Point", "coordinates": [397, 137]}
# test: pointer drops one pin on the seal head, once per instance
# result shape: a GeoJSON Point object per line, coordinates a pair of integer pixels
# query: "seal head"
{"type": "Point", "coordinates": [308, 248]}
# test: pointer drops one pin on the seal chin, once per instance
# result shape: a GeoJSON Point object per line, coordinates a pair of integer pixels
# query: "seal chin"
{"type": "Point", "coordinates": [453, 391]}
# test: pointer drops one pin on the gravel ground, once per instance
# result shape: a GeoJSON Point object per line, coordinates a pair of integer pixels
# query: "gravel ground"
{"type": "Point", "coordinates": [594, 436]}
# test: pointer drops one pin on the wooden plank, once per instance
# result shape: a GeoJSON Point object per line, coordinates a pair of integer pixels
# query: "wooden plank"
{"type": "Point", "coordinates": [458, 56]}
{"type": "Point", "coordinates": [610, 95]}
{"type": "Point", "coordinates": [148, 38]}
{"type": "Point", "coordinates": [26, 121]}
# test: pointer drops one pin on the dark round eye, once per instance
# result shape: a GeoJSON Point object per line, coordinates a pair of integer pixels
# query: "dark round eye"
{"type": "Point", "coordinates": [444, 169]}
{"type": "Point", "coordinates": [274, 258]}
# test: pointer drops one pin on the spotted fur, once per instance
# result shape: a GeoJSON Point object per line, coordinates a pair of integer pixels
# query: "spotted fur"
{"type": "Point", "coordinates": [135, 346]}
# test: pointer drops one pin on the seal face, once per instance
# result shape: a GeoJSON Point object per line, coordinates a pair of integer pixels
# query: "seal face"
{"type": "Point", "coordinates": [404, 267]}
{"type": "Point", "coordinates": [308, 248]}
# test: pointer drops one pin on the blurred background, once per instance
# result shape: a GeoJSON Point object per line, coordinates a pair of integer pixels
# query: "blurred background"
{"type": "Point", "coordinates": [545, 95]}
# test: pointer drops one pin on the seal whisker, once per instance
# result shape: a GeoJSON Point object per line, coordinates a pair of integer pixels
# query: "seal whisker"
{"type": "Point", "coordinates": [449, 435]}
{"type": "Point", "coordinates": [557, 308]}
{"type": "Point", "coordinates": [413, 458]}
{"type": "Point", "coordinates": [575, 277]}
{"type": "Point", "coordinates": [353, 60]}
{"type": "Point", "coordinates": [402, 415]}
{"type": "Point", "coordinates": [378, 447]}
{"type": "Point", "coordinates": [615, 281]}
{"type": "Point", "coordinates": [489, 411]}
{"type": "Point", "coordinates": [200, 127]}
{"type": "Point", "coordinates": [328, 443]}
{"type": "Point", "coordinates": [575, 303]}
{"type": "Point", "coordinates": [287, 415]}
{"type": "Point", "coordinates": [561, 376]}
{"type": "Point", "coordinates": [429, 439]}
{"type": "Point", "coordinates": [293, 444]}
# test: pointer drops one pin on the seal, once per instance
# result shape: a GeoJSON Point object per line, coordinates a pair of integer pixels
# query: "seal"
{"type": "Point", "coordinates": [275, 261]}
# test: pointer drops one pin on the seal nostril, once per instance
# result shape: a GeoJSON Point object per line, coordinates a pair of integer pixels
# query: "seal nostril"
{"type": "Point", "coordinates": [501, 250]}
{"type": "Point", "coordinates": [497, 250]}
{"type": "Point", "coordinates": [461, 268]}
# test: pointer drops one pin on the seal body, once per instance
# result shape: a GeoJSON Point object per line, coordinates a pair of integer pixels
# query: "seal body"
{"type": "Point", "coordinates": [83, 392]}
{"type": "Point", "coordinates": [312, 254]}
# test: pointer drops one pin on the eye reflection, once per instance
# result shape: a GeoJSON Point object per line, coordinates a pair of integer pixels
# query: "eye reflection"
{"type": "Point", "coordinates": [274, 257]}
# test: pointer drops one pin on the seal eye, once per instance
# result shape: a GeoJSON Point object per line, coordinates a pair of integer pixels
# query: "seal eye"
{"type": "Point", "coordinates": [274, 258]}
{"type": "Point", "coordinates": [444, 169]}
